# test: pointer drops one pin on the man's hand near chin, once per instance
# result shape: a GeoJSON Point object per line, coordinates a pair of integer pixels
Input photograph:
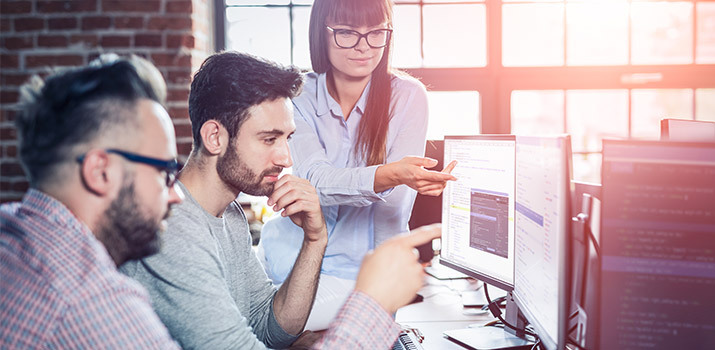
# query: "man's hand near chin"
{"type": "Point", "coordinates": [299, 201]}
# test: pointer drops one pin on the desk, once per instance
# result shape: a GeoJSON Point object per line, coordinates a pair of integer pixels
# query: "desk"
{"type": "Point", "coordinates": [441, 310]}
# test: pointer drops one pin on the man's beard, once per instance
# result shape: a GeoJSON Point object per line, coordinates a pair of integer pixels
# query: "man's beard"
{"type": "Point", "coordinates": [127, 232]}
{"type": "Point", "coordinates": [236, 174]}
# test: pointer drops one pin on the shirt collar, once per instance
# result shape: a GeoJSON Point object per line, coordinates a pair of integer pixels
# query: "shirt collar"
{"type": "Point", "coordinates": [52, 209]}
{"type": "Point", "coordinates": [327, 103]}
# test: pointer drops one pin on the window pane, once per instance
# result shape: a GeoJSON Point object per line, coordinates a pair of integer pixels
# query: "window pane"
{"type": "Point", "coordinates": [705, 104]}
{"type": "Point", "coordinates": [260, 31]}
{"type": "Point", "coordinates": [595, 114]}
{"type": "Point", "coordinates": [651, 105]}
{"type": "Point", "coordinates": [455, 36]}
{"type": "Point", "coordinates": [537, 112]}
{"type": "Point", "coordinates": [533, 35]}
{"type": "Point", "coordinates": [662, 33]}
{"type": "Point", "coordinates": [597, 33]}
{"type": "Point", "coordinates": [587, 167]}
{"type": "Point", "coordinates": [705, 49]}
{"type": "Point", "coordinates": [406, 36]}
{"type": "Point", "coordinates": [453, 113]}
{"type": "Point", "coordinates": [301, 51]}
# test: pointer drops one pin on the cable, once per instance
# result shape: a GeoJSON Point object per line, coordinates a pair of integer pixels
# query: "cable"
{"type": "Point", "coordinates": [496, 311]}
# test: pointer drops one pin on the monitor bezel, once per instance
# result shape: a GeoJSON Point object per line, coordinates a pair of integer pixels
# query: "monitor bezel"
{"type": "Point", "coordinates": [564, 283]}
{"type": "Point", "coordinates": [504, 285]}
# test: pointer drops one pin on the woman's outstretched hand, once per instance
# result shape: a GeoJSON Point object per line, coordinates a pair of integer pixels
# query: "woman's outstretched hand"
{"type": "Point", "coordinates": [411, 171]}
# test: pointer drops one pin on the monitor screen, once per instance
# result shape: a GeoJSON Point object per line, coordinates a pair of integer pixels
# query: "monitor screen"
{"type": "Point", "coordinates": [542, 224]}
{"type": "Point", "coordinates": [478, 208]}
{"type": "Point", "coordinates": [687, 130]}
{"type": "Point", "coordinates": [658, 245]}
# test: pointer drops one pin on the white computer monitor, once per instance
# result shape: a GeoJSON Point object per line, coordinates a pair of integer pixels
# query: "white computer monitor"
{"type": "Point", "coordinates": [478, 208]}
{"type": "Point", "coordinates": [542, 234]}
{"type": "Point", "coordinates": [687, 130]}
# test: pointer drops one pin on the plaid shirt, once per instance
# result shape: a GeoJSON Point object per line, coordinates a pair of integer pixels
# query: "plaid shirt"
{"type": "Point", "coordinates": [361, 324]}
{"type": "Point", "coordinates": [60, 289]}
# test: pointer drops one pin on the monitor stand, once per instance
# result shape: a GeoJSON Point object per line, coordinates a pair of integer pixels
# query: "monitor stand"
{"type": "Point", "coordinates": [488, 338]}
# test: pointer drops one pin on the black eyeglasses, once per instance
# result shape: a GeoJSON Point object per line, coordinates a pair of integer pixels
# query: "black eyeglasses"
{"type": "Point", "coordinates": [169, 167]}
{"type": "Point", "coordinates": [348, 38]}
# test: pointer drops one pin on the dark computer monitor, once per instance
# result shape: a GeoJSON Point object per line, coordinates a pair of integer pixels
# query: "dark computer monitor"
{"type": "Point", "coordinates": [657, 245]}
{"type": "Point", "coordinates": [478, 208]}
{"type": "Point", "coordinates": [586, 267]}
{"type": "Point", "coordinates": [687, 130]}
{"type": "Point", "coordinates": [542, 267]}
{"type": "Point", "coordinates": [428, 209]}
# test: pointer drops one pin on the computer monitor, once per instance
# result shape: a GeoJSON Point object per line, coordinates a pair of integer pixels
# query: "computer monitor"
{"type": "Point", "coordinates": [658, 245]}
{"type": "Point", "coordinates": [542, 269]}
{"type": "Point", "coordinates": [687, 130]}
{"type": "Point", "coordinates": [478, 208]}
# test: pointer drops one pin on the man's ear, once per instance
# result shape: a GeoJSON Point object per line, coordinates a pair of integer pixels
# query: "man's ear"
{"type": "Point", "coordinates": [214, 137]}
{"type": "Point", "coordinates": [95, 173]}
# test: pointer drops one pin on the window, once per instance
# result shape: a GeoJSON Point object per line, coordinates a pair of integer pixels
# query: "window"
{"type": "Point", "coordinates": [591, 68]}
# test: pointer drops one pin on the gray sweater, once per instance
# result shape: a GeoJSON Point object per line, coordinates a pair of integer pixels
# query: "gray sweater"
{"type": "Point", "coordinates": [207, 285]}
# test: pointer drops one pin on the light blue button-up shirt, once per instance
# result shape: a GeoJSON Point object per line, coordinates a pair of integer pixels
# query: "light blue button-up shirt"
{"type": "Point", "coordinates": [323, 151]}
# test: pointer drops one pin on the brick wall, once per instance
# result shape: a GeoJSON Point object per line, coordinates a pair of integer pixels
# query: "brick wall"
{"type": "Point", "coordinates": [174, 34]}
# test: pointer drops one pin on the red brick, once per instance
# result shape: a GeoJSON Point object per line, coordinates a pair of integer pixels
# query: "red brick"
{"type": "Point", "coordinates": [163, 23]}
{"type": "Point", "coordinates": [11, 151]}
{"type": "Point", "coordinates": [13, 79]}
{"type": "Point", "coordinates": [131, 5]}
{"type": "Point", "coordinates": [8, 115]}
{"type": "Point", "coordinates": [180, 113]}
{"type": "Point", "coordinates": [96, 22]}
{"type": "Point", "coordinates": [20, 186]}
{"type": "Point", "coordinates": [64, 6]}
{"type": "Point", "coordinates": [115, 41]}
{"type": "Point", "coordinates": [182, 130]}
{"type": "Point", "coordinates": [8, 134]}
{"type": "Point", "coordinates": [181, 6]}
{"type": "Point", "coordinates": [15, 7]}
{"type": "Point", "coordinates": [53, 60]}
{"type": "Point", "coordinates": [128, 22]}
{"type": "Point", "coordinates": [178, 95]}
{"type": "Point", "coordinates": [28, 23]}
{"type": "Point", "coordinates": [89, 40]}
{"type": "Point", "coordinates": [182, 76]}
{"type": "Point", "coordinates": [4, 186]}
{"type": "Point", "coordinates": [8, 197]}
{"type": "Point", "coordinates": [9, 97]}
{"type": "Point", "coordinates": [17, 42]}
{"type": "Point", "coordinates": [5, 25]}
{"type": "Point", "coordinates": [184, 148]}
{"type": "Point", "coordinates": [62, 23]}
{"type": "Point", "coordinates": [11, 169]}
{"type": "Point", "coordinates": [174, 41]}
{"type": "Point", "coordinates": [147, 40]}
{"type": "Point", "coordinates": [9, 61]}
{"type": "Point", "coordinates": [52, 41]}
{"type": "Point", "coordinates": [170, 60]}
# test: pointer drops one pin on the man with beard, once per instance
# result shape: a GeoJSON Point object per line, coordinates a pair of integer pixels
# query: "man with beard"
{"type": "Point", "coordinates": [206, 284]}
{"type": "Point", "coordinates": [100, 154]}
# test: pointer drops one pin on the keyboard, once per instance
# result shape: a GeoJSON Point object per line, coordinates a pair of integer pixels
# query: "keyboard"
{"type": "Point", "coordinates": [409, 339]}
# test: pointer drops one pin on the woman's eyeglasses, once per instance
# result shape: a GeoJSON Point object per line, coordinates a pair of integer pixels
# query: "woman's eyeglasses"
{"type": "Point", "coordinates": [348, 38]}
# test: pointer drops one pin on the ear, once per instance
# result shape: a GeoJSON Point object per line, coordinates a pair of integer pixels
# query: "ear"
{"type": "Point", "coordinates": [95, 173]}
{"type": "Point", "coordinates": [214, 137]}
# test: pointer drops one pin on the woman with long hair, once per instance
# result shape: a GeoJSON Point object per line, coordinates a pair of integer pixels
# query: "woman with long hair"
{"type": "Point", "coordinates": [358, 126]}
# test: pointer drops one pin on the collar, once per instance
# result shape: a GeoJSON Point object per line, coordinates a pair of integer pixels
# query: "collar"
{"type": "Point", "coordinates": [327, 103]}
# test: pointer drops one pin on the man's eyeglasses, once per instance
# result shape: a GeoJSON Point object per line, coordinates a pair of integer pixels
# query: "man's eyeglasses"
{"type": "Point", "coordinates": [348, 38]}
{"type": "Point", "coordinates": [169, 167]}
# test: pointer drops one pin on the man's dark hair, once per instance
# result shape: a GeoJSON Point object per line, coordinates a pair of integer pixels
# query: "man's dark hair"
{"type": "Point", "coordinates": [230, 83]}
{"type": "Point", "coordinates": [74, 107]}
